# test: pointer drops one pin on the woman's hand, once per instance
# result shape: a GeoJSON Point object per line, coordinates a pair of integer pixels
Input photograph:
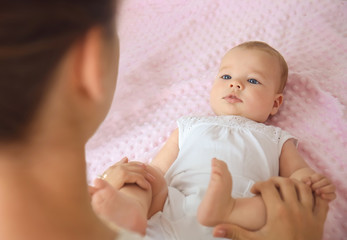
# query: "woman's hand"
{"type": "Point", "coordinates": [292, 213]}
{"type": "Point", "coordinates": [125, 172]}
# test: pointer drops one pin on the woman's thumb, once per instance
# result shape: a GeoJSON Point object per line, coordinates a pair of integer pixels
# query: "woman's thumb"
{"type": "Point", "coordinates": [233, 232]}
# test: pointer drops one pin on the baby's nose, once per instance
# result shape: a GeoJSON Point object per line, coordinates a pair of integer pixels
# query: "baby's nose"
{"type": "Point", "coordinates": [236, 85]}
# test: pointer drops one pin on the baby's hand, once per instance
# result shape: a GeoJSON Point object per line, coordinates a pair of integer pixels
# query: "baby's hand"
{"type": "Point", "coordinates": [125, 172]}
{"type": "Point", "coordinates": [322, 186]}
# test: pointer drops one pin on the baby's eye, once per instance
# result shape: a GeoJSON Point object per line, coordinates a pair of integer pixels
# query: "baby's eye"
{"type": "Point", "coordinates": [253, 81]}
{"type": "Point", "coordinates": [226, 77]}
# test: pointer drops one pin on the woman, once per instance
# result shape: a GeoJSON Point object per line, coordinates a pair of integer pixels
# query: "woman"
{"type": "Point", "coordinates": [58, 65]}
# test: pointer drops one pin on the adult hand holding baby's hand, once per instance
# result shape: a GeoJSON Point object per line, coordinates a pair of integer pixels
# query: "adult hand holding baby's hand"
{"type": "Point", "coordinates": [125, 172]}
{"type": "Point", "coordinates": [291, 213]}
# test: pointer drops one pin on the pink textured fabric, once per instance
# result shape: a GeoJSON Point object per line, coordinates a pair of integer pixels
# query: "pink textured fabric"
{"type": "Point", "coordinates": [170, 52]}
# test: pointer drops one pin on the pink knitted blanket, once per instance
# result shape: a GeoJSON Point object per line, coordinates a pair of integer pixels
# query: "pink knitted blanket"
{"type": "Point", "coordinates": [170, 52]}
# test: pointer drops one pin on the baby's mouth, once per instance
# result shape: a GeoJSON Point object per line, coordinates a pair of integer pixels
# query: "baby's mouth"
{"type": "Point", "coordinates": [232, 99]}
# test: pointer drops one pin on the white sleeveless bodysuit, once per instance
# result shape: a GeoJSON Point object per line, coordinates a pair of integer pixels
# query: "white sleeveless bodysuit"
{"type": "Point", "coordinates": [250, 149]}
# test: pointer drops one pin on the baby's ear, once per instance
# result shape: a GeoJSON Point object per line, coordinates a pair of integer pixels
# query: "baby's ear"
{"type": "Point", "coordinates": [277, 103]}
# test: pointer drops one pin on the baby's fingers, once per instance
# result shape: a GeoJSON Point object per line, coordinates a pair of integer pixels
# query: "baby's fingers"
{"type": "Point", "coordinates": [321, 183]}
{"type": "Point", "coordinates": [316, 177]}
{"type": "Point", "coordinates": [326, 189]}
{"type": "Point", "coordinates": [307, 181]}
{"type": "Point", "coordinates": [328, 196]}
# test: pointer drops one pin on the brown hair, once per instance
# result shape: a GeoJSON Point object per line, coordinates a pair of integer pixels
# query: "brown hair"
{"type": "Point", "coordinates": [34, 35]}
{"type": "Point", "coordinates": [267, 48]}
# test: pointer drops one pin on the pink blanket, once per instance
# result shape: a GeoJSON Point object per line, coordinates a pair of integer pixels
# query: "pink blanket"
{"type": "Point", "coordinates": [170, 52]}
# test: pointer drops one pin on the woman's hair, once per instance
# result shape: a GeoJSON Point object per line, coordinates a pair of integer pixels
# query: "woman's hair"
{"type": "Point", "coordinates": [267, 48]}
{"type": "Point", "coordinates": [34, 36]}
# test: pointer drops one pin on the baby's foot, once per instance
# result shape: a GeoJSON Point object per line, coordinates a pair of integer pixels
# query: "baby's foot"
{"type": "Point", "coordinates": [217, 204]}
{"type": "Point", "coordinates": [118, 208]}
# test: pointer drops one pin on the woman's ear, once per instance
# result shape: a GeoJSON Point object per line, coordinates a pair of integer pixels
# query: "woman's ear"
{"type": "Point", "coordinates": [88, 79]}
{"type": "Point", "coordinates": [277, 103]}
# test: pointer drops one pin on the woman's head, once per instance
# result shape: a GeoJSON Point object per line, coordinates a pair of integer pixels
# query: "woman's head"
{"type": "Point", "coordinates": [34, 37]}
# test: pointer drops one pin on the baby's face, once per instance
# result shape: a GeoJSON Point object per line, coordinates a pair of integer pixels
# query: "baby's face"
{"type": "Point", "coordinates": [247, 85]}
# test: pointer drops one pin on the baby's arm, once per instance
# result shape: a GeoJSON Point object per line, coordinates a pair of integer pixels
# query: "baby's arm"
{"type": "Point", "coordinates": [168, 154]}
{"type": "Point", "coordinates": [293, 165]}
{"type": "Point", "coordinates": [161, 163]}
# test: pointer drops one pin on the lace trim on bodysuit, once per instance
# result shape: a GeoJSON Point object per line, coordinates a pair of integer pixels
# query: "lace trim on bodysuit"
{"type": "Point", "coordinates": [274, 133]}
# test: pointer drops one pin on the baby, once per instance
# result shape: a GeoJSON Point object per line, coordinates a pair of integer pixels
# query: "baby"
{"type": "Point", "coordinates": [247, 91]}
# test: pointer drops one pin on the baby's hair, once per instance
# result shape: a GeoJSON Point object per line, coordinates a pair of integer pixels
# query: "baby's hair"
{"type": "Point", "coordinates": [267, 48]}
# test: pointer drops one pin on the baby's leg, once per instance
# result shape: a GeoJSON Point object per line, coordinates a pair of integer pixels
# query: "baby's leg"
{"type": "Point", "coordinates": [219, 207]}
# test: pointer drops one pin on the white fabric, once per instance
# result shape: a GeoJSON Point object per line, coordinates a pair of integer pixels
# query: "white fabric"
{"type": "Point", "coordinates": [122, 234]}
{"type": "Point", "coordinates": [126, 235]}
{"type": "Point", "coordinates": [250, 149]}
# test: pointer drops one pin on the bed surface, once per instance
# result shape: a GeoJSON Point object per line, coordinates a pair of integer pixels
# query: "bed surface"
{"type": "Point", "coordinates": [170, 53]}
